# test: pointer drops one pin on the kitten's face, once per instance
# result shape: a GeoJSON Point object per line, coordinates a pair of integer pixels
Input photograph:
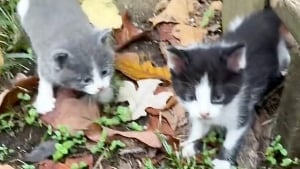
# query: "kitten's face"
{"type": "Point", "coordinates": [207, 78]}
{"type": "Point", "coordinates": [88, 69]}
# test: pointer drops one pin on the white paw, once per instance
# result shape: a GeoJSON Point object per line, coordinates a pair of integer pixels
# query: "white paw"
{"type": "Point", "coordinates": [44, 105]}
{"type": "Point", "coordinates": [221, 164]}
{"type": "Point", "coordinates": [188, 149]}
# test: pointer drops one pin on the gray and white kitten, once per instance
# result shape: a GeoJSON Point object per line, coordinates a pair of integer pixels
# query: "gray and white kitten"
{"type": "Point", "coordinates": [70, 52]}
{"type": "Point", "coordinates": [220, 83]}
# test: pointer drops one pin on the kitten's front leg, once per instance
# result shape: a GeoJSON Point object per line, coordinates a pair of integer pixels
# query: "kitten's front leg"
{"type": "Point", "coordinates": [45, 101]}
{"type": "Point", "coordinates": [198, 130]}
{"type": "Point", "coordinates": [231, 146]}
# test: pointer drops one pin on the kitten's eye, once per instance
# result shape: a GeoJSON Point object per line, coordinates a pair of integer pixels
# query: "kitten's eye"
{"type": "Point", "coordinates": [190, 97]}
{"type": "Point", "coordinates": [104, 72]}
{"type": "Point", "coordinates": [218, 98]}
{"type": "Point", "coordinates": [87, 80]}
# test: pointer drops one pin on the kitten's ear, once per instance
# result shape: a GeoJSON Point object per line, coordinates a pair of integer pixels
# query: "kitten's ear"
{"type": "Point", "coordinates": [60, 57]}
{"type": "Point", "coordinates": [235, 57]}
{"type": "Point", "coordinates": [103, 35]}
{"type": "Point", "coordinates": [176, 59]}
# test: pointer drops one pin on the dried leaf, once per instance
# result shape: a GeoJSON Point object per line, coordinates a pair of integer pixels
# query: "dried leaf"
{"type": "Point", "coordinates": [188, 34]}
{"type": "Point", "coordinates": [177, 11]}
{"type": "Point", "coordinates": [127, 33]}
{"type": "Point", "coordinates": [48, 164]}
{"type": "Point", "coordinates": [147, 137]}
{"type": "Point", "coordinates": [8, 98]}
{"type": "Point", "coordinates": [161, 5]}
{"type": "Point", "coordinates": [165, 33]}
{"type": "Point", "coordinates": [217, 5]}
{"type": "Point", "coordinates": [76, 114]}
{"type": "Point", "coordinates": [6, 166]}
{"type": "Point", "coordinates": [102, 13]}
{"type": "Point", "coordinates": [160, 124]}
{"type": "Point", "coordinates": [129, 65]}
{"type": "Point", "coordinates": [142, 97]}
{"type": "Point", "coordinates": [87, 159]}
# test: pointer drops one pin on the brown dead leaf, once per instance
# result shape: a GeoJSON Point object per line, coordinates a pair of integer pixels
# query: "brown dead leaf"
{"type": "Point", "coordinates": [160, 124]}
{"type": "Point", "coordinates": [87, 159]}
{"type": "Point", "coordinates": [161, 5]}
{"type": "Point", "coordinates": [147, 137]}
{"type": "Point", "coordinates": [6, 166]}
{"type": "Point", "coordinates": [165, 33]}
{"type": "Point", "coordinates": [188, 34]}
{"type": "Point", "coordinates": [127, 33]}
{"type": "Point", "coordinates": [177, 11]}
{"type": "Point", "coordinates": [217, 5]}
{"type": "Point", "coordinates": [129, 65]}
{"type": "Point", "coordinates": [8, 98]}
{"type": "Point", "coordinates": [48, 164]}
{"type": "Point", "coordinates": [76, 114]}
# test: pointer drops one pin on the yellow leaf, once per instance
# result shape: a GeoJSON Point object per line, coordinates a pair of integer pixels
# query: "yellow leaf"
{"type": "Point", "coordinates": [1, 58]}
{"type": "Point", "coordinates": [102, 13]}
{"type": "Point", "coordinates": [129, 65]}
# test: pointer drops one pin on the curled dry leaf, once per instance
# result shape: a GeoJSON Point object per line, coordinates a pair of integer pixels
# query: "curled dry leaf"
{"type": "Point", "coordinates": [9, 97]}
{"type": "Point", "coordinates": [127, 33]}
{"type": "Point", "coordinates": [129, 65]}
{"type": "Point", "coordinates": [142, 97]}
{"type": "Point", "coordinates": [76, 114]}
{"type": "Point", "coordinates": [96, 9]}
{"type": "Point", "coordinates": [147, 137]}
{"type": "Point", "coordinates": [158, 123]}
{"type": "Point", "coordinates": [177, 11]}
{"type": "Point", "coordinates": [188, 34]}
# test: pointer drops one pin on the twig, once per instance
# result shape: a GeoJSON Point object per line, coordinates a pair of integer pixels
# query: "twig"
{"type": "Point", "coordinates": [98, 164]}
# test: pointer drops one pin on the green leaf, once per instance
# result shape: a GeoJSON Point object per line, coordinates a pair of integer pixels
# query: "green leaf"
{"type": "Point", "coordinates": [283, 152]}
{"type": "Point", "coordinates": [123, 113]}
{"type": "Point", "coordinates": [116, 144]}
{"type": "Point", "coordinates": [208, 14]}
{"type": "Point", "coordinates": [135, 126]}
{"type": "Point", "coordinates": [57, 156]}
{"type": "Point", "coordinates": [271, 160]}
{"type": "Point", "coordinates": [23, 96]}
{"type": "Point", "coordinates": [32, 112]}
{"type": "Point", "coordinates": [68, 144]}
{"type": "Point", "coordinates": [286, 162]}
{"type": "Point", "coordinates": [109, 121]}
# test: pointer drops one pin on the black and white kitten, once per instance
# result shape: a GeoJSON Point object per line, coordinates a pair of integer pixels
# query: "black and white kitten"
{"type": "Point", "coordinates": [219, 83]}
{"type": "Point", "coordinates": [70, 51]}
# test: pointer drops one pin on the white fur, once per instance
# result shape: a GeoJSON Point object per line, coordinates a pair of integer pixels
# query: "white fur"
{"type": "Point", "coordinates": [45, 101]}
{"type": "Point", "coordinates": [188, 150]}
{"type": "Point", "coordinates": [284, 57]}
{"type": "Point", "coordinates": [235, 23]}
{"type": "Point", "coordinates": [221, 164]}
{"type": "Point", "coordinates": [22, 8]}
{"type": "Point", "coordinates": [98, 84]}
{"type": "Point", "coordinates": [232, 137]}
{"type": "Point", "coordinates": [105, 96]}
{"type": "Point", "coordinates": [170, 61]}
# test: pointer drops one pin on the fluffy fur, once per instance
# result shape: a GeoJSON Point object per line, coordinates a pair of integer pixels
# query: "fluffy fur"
{"type": "Point", "coordinates": [220, 83]}
{"type": "Point", "coordinates": [70, 51]}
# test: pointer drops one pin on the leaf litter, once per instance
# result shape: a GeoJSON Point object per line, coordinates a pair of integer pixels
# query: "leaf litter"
{"type": "Point", "coordinates": [177, 22]}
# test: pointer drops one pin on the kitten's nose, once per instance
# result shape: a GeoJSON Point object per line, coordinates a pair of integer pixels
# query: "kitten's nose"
{"type": "Point", "coordinates": [204, 115]}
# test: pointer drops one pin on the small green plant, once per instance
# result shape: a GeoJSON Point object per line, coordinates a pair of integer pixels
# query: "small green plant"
{"type": "Point", "coordinates": [106, 150]}
{"type": "Point", "coordinates": [28, 166]}
{"type": "Point", "coordinates": [6, 121]}
{"type": "Point", "coordinates": [4, 152]}
{"type": "Point", "coordinates": [120, 114]}
{"type": "Point", "coordinates": [31, 115]}
{"type": "Point", "coordinates": [62, 150]}
{"type": "Point", "coordinates": [148, 164]}
{"type": "Point", "coordinates": [276, 154]}
{"type": "Point", "coordinates": [65, 141]}
{"type": "Point", "coordinates": [80, 165]}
